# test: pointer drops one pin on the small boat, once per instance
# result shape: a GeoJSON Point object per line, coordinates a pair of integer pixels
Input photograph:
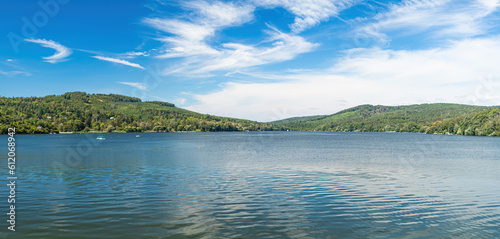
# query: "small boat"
{"type": "Point", "coordinates": [100, 138]}
{"type": "Point", "coordinates": [137, 136]}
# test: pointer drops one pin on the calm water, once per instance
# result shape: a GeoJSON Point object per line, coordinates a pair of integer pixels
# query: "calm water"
{"type": "Point", "coordinates": [255, 185]}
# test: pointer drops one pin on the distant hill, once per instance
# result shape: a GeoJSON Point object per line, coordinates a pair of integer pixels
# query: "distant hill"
{"type": "Point", "coordinates": [81, 112]}
{"type": "Point", "coordinates": [426, 118]}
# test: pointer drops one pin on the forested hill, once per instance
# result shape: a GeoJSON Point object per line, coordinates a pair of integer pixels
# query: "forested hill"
{"type": "Point", "coordinates": [81, 112]}
{"type": "Point", "coordinates": [425, 118]}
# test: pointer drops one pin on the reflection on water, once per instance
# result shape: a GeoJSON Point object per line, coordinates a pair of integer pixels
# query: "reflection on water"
{"type": "Point", "coordinates": [257, 185]}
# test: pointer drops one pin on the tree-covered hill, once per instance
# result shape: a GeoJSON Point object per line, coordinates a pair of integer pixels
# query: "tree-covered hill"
{"type": "Point", "coordinates": [81, 112]}
{"type": "Point", "coordinates": [427, 118]}
{"type": "Point", "coordinates": [483, 123]}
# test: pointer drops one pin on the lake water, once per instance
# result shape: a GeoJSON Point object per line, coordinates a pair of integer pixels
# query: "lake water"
{"type": "Point", "coordinates": [255, 185]}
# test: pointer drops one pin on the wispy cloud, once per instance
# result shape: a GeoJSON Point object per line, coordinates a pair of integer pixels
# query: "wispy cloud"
{"type": "Point", "coordinates": [450, 73]}
{"type": "Point", "coordinates": [14, 73]}
{"type": "Point", "coordinates": [234, 56]}
{"type": "Point", "coordinates": [61, 51]}
{"type": "Point", "coordinates": [440, 18]}
{"type": "Point", "coordinates": [190, 35]}
{"type": "Point", "coordinates": [190, 40]}
{"type": "Point", "coordinates": [180, 101]}
{"type": "Point", "coordinates": [309, 13]}
{"type": "Point", "coordinates": [134, 54]}
{"type": "Point", "coordinates": [119, 61]}
{"type": "Point", "coordinates": [137, 85]}
{"type": "Point", "coordinates": [11, 67]}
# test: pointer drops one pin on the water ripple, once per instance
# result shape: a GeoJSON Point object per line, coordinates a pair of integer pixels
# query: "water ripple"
{"type": "Point", "coordinates": [252, 186]}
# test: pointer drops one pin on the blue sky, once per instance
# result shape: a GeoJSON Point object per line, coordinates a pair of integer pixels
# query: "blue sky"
{"type": "Point", "coordinates": [258, 59]}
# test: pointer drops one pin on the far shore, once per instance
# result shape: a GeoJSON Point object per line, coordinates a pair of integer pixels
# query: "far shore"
{"type": "Point", "coordinates": [356, 131]}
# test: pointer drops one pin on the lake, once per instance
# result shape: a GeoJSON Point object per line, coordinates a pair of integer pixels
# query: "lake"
{"type": "Point", "coordinates": [255, 185]}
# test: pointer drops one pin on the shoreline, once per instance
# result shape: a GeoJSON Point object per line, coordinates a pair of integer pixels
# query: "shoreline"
{"type": "Point", "coordinates": [147, 132]}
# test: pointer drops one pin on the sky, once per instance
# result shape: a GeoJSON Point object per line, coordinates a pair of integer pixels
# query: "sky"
{"type": "Point", "coordinates": [262, 60]}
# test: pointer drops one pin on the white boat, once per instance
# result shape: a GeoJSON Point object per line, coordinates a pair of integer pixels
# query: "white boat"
{"type": "Point", "coordinates": [100, 138]}
{"type": "Point", "coordinates": [137, 136]}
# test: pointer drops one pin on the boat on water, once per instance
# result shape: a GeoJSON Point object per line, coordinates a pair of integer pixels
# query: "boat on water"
{"type": "Point", "coordinates": [137, 136]}
{"type": "Point", "coordinates": [100, 138]}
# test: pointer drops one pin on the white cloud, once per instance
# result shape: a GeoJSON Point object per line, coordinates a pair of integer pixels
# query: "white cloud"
{"type": "Point", "coordinates": [454, 73]}
{"type": "Point", "coordinates": [219, 14]}
{"type": "Point", "coordinates": [137, 85]}
{"type": "Point", "coordinates": [61, 51]}
{"type": "Point", "coordinates": [489, 5]}
{"type": "Point", "coordinates": [14, 73]}
{"type": "Point", "coordinates": [180, 101]}
{"type": "Point", "coordinates": [190, 40]}
{"type": "Point", "coordinates": [441, 18]}
{"type": "Point", "coordinates": [134, 54]}
{"type": "Point", "coordinates": [309, 13]}
{"type": "Point", "coordinates": [234, 56]}
{"type": "Point", "coordinates": [190, 36]}
{"type": "Point", "coordinates": [119, 61]}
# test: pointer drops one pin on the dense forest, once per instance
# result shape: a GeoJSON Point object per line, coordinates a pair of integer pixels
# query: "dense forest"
{"type": "Point", "coordinates": [81, 112]}
{"type": "Point", "coordinates": [424, 118]}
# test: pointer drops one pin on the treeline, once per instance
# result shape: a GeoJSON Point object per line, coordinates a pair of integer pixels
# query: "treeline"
{"type": "Point", "coordinates": [425, 118]}
{"type": "Point", "coordinates": [81, 112]}
{"type": "Point", "coordinates": [485, 123]}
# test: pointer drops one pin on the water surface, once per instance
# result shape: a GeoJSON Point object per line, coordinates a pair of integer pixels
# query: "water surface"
{"type": "Point", "coordinates": [256, 185]}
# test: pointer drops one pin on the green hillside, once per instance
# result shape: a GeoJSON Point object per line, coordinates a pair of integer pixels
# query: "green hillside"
{"type": "Point", "coordinates": [427, 118]}
{"type": "Point", "coordinates": [81, 112]}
